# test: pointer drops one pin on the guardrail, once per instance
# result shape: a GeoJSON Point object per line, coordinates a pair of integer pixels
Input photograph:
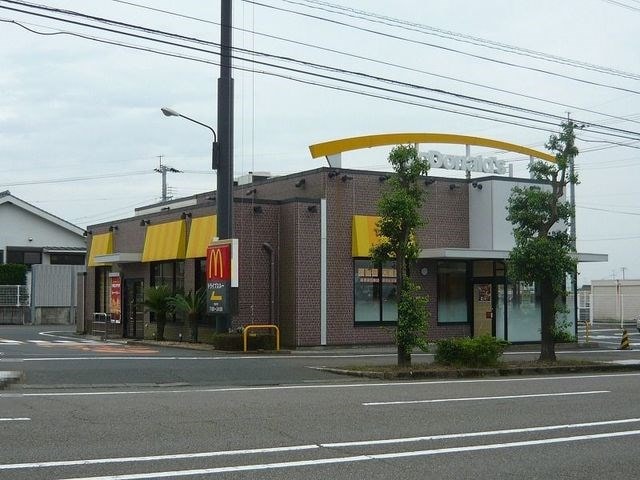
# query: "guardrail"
{"type": "Point", "coordinates": [245, 333]}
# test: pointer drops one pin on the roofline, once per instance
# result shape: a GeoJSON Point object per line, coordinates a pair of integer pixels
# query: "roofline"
{"type": "Point", "coordinates": [9, 198]}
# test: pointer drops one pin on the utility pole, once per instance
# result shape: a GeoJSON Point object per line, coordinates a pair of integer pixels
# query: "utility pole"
{"type": "Point", "coordinates": [623, 271]}
{"type": "Point", "coordinates": [163, 169]}
{"type": "Point", "coordinates": [572, 232]}
{"type": "Point", "coordinates": [224, 202]}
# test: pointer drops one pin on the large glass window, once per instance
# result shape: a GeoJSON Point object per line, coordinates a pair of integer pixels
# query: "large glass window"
{"type": "Point", "coordinates": [375, 292]}
{"type": "Point", "coordinates": [171, 274]}
{"type": "Point", "coordinates": [452, 292]}
{"type": "Point", "coordinates": [524, 313]}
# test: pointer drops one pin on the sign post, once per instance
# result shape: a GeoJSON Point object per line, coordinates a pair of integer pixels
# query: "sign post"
{"type": "Point", "coordinates": [222, 275]}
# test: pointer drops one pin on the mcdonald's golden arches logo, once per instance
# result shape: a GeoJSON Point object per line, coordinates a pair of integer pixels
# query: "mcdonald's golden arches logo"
{"type": "Point", "coordinates": [219, 262]}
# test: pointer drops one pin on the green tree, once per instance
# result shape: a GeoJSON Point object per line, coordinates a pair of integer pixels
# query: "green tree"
{"type": "Point", "coordinates": [543, 247]}
{"type": "Point", "coordinates": [158, 300]}
{"type": "Point", "coordinates": [399, 209]}
{"type": "Point", "coordinates": [193, 306]}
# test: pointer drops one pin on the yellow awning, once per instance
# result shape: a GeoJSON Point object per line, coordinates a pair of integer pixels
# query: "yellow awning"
{"type": "Point", "coordinates": [363, 235]}
{"type": "Point", "coordinates": [201, 232]}
{"type": "Point", "coordinates": [101, 244]}
{"type": "Point", "coordinates": [165, 241]}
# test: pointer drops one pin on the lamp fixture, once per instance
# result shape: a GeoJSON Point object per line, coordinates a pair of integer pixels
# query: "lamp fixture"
{"type": "Point", "coordinates": [333, 173]}
{"type": "Point", "coordinates": [429, 181]}
{"type": "Point", "coordinates": [300, 183]}
{"type": "Point", "coordinates": [184, 215]}
{"type": "Point", "coordinates": [383, 178]}
{"type": "Point", "coordinates": [253, 191]}
{"type": "Point", "coordinates": [86, 233]}
{"type": "Point", "coordinates": [312, 208]}
{"type": "Point", "coordinates": [257, 209]}
{"type": "Point", "coordinates": [113, 227]}
{"type": "Point", "coordinates": [477, 185]}
{"type": "Point", "coordinates": [453, 186]}
{"type": "Point", "coordinates": [144, 222]}
{"type": "Point", "coordinates": [345, 178]}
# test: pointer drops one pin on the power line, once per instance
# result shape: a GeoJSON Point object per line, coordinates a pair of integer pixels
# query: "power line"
{"type": "Point", "coordinates": [76, 179]}
{"type": "Point", "coordinates": [458, 37]}
{"type": "Point", "coordinates": [333, 69]}
{"type": "Point", "coordinates": [382, 62]}
{"type": "Point", "coordinates": [448, 49]}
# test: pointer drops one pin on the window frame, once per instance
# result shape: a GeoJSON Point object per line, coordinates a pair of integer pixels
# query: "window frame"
{"type": "Point", "coordinates": [467, 291]}
{"type": "Point", "coordinates": [380, 283]}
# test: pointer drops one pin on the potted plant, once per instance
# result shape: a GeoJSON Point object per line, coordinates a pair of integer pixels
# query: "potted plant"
{"type": "Point", "coordinates": [157, 300]}
{"type": "Point", "coordinates": [192, 305]}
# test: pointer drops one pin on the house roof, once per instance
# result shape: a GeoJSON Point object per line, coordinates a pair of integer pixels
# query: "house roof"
{"type": "Point", "coordinates": [6, 197]}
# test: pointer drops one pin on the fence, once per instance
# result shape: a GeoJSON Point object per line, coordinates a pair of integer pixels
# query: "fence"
{"type": "Point", "coordinates": [615, 308]}
{"type": "Point", "coordinates": [15, 301]}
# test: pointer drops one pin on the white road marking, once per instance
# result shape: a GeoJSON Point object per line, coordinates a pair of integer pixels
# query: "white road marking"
{"type": "Point", "coordinates": [471, 399]}
{"type": "Point", "coordinates": [358, 458]}
{"type": "Point", "coordinates": [16, 419]}
{"type": "Point", "coordinates": [294, 448]}
{"type": "Point", "coordinates": [184, 391]}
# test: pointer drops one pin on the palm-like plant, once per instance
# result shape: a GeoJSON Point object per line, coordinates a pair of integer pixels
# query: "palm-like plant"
{"type": "Point", "coordinates": [192, 305]}
{"type": "Point", "coordinates": [157, 300]}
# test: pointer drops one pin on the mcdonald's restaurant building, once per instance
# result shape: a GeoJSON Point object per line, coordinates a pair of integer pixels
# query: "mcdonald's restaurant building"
{"type": "Point", "coordinates": [304, 242]}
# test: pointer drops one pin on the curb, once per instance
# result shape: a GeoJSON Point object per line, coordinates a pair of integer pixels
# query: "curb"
{"type": "Point", "coordinates": [204, 347]}
{"type": "Point", "coordinates": [482, 372]}
{"type": "Point", "coordinates": [7, 378]}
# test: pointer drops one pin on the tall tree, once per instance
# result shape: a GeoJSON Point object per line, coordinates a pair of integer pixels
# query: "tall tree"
{"type": "Point", "coordinates": [543, 247]}
{"type": "Point", "coordinates": [399, 209]}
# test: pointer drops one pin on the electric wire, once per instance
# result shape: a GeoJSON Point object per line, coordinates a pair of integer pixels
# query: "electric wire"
{"type": "Point", "coordinates": [360, 84]}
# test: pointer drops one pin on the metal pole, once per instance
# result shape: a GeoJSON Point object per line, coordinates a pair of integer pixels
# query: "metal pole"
{"type": "Point", "coordinates": [224, 202]}
{"type": "Point", "coordinates": [225, 127]}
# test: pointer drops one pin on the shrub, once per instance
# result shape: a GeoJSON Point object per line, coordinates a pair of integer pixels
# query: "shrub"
{"type": "Point", "coordinates": [477, 352]}
{"type": "Point", "coordinates": [561, 332]}
{"type": "Point", "coordinates": [13, 274]}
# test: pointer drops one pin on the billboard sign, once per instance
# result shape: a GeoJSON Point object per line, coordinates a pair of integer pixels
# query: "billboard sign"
{"type": "Point", "coordinates": [115, 294]}
{"type": "Point", "coordinates": [222, 275]}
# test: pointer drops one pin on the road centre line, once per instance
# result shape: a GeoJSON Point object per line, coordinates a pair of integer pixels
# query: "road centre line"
{"type": "Point", "coordinates": [16, 419]}
{"type": "Point", "coordinates": [313, 386]}
{"type": "Point", "coordinates": [358, 458]}
{"type": "Point", "coordinates": [179, 456]}
{"type": "Point", "coordinates": [470, 399]}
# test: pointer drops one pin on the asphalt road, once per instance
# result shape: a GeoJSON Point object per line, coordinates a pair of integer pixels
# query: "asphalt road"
{"type": "Point", "coordinates": [544, 427]}
{"type": "Point", "coordinates": [52, 358]}
{"type": "Point", "coordinates": [93, 410]}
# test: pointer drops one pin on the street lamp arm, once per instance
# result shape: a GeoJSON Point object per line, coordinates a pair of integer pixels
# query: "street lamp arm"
{"type": "Point", "coordinates": [168, 112]}
{"type": "Point", "coordinates": [215, 137]}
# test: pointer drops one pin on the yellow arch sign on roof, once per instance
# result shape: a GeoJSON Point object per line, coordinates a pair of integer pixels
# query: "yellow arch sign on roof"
{"type": "Point", "coordinates": [335, 147]}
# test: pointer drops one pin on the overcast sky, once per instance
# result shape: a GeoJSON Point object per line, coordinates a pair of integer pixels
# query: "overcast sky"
{"type": "Point", "coordinates": [81, 129]}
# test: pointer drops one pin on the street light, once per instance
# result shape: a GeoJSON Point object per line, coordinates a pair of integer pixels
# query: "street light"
{"type": "Point", "coordinates": [168, 112]}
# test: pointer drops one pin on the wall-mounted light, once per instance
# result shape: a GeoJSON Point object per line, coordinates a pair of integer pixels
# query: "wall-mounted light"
{"type": "Point", "coordinates": [184, 215]}
{"type": "Point", "coordinates": [346, 178]}
{"type": "Point", "coordinates": [429, 181]}
{"type": "Point", "coordinates": [301, 183]}
{"type": "Point", "coordinates": [333, 173]}
{"type": "Point", "coordinates": [165, 208]}
{"type": "Point", "coordinates": [453, 186]}
{"type": "Point", "coordinates": [312, 208]}
{"type": "Point", "coordinates": [87, 232]}
{"type": "Point", "coordinates": [211, 198]}
{"type": "Point", "coordinates": [144, 222]}
{"type": "Point", "coordinates": [383, 178]}
{"type": "Point", "coordinates": [251, 192]}
{"type": "Point", "coordinates": [477, 185]}
{"type": "Point", "coordinates": [113, 227]}
{"type": "Point", "coordinates": [257, 209]}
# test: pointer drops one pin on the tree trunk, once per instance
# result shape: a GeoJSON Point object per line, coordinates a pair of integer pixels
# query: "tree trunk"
{"type": "Point", "coordinates": [161, 319]}
{"type": "Point", "coordinates": [193, 323]}
{"type": "Point", "coordinates": [547, 301]}
{"type": "Point", "coordinates": [404, 356]}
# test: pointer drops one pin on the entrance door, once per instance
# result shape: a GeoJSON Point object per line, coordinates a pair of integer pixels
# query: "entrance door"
{"type": "Point", "coordinates": [133, 308]}
{"type": "Point", "coordinates": [483, 309]}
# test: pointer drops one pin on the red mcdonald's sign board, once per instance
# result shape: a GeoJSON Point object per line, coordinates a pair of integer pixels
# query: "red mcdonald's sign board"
{"type": "Point", "coordinates": [219, 263]}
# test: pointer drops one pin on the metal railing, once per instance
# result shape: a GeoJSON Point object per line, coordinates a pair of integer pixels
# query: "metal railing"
{"type": "Point", "coordinates": [14, 296]}
{"type": "Point", "coordinates": [245, 333]}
